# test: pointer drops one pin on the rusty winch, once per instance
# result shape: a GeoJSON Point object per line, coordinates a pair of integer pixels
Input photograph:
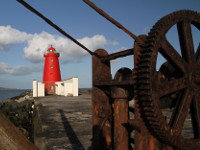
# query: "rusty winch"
{"type": "Point", "coordinates": [147, 107]}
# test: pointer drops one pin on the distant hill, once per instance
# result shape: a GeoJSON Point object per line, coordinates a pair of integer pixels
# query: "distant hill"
{"type": "Point", "coordinates": [3, 88]}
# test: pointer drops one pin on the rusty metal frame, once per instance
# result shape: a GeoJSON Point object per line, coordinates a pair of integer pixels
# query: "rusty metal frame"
{"type": "Point", "coordinates": [115, 95]}
{"type": "Point", "coordinates": [101, 106]}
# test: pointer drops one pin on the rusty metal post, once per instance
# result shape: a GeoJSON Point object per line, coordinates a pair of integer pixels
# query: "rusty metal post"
{"type": "Point", "coordinates": [102, 109]}
{"type": "Point", "coordinates": [121, 135]}
{"type": "Point", "coordinates": [121, 96]}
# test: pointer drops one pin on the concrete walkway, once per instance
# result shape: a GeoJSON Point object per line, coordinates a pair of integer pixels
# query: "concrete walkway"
{"type": "Point", "coordinates": [63, 123]}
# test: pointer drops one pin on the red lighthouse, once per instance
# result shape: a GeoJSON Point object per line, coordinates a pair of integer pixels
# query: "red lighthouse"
{"type": "Point", "coordinates": [51, 70]}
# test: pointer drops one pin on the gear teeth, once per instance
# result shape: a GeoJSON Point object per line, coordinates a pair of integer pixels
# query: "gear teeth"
{"type": "Point", "coordinates": [146, 82]}
{"type": "Point", "coordinates": [147, 59]}
{"type": "Point", "coordinates": [144, 87]}
{"type": "Point", "coordinates": [144, 65]}
{"type": "Point", "coordinates": [145, 55]}
{"type": "Point", "coordinates": [144, 70]}
{"type": "Point", "coordinates": [145, 92]}
{"type": "Point", "coordinates": [145, 98]}
{"type": "Point", "coordinates": [144, 76]}
{"type": "Point", "coordinates": [152, 115]}
{"type": "Point", "coordinates": [146, 109]}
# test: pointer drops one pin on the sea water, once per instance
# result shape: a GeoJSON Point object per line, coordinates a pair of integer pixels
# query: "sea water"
{"type": "Point", "coordinates": [6, 94]}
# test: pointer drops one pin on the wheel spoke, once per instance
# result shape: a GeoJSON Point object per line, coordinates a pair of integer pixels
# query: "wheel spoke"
{"type": "Point", "coordinates": [165, 88]}
{"type": "Point", "coordinates": [171, 55]}
{"type": "Point", "coordinates": [186, 41]}
{"type": "Point", "coordinates": [195, 112]}
{"type": "Point", "coordinates": [181, 110]}
{"type": "Point", "coordinates": [198, 54]}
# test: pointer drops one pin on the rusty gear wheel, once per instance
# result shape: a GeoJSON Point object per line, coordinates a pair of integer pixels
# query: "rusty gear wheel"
{"type": "Point", "coordinates": [186, 85]}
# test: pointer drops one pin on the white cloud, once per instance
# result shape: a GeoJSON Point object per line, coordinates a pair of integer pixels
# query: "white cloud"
{"type": "Point", "coordinates": [19, 70]}
{"type": "Point", "coordinates": [38, 43]}
{"type": "Point", "coordinates": [10, 36]}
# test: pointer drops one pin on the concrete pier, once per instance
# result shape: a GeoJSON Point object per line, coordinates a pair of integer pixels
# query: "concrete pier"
{"type": "Point", "coordinates": [63, 123]}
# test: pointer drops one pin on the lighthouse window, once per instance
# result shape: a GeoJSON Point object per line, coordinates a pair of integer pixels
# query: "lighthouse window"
{"type": "Point", "coordinates": [51, 59]}
{"type": "Point", "coordinates": [51, 66]}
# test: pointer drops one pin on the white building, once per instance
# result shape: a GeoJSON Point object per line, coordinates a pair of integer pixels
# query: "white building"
{"type": "Point", "coordinates": [38, 89]}
{"type": "Point", "coordinates": [68, 87]}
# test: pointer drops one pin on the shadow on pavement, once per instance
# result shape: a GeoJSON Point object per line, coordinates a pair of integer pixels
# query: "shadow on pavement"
{"type": "Point", "coordinates": [74, 141]}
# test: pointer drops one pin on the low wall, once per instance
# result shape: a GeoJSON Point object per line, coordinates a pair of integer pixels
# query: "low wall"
{"type": "Point", "coordinates": [38, 89]}
{"type": "Point", "coordinates": [67, 87]}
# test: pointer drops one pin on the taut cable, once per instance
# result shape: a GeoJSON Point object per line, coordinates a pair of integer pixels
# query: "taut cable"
{"type": "Point", "coordinates": [54, 26]}
{"type": "Point", "coordinates": [112, 20]}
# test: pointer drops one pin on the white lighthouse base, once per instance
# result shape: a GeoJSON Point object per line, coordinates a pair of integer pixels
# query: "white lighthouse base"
{"type": "Point", "coordinates": [68, 87]}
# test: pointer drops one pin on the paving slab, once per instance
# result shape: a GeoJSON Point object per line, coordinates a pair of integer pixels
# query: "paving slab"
{"type": "Point", "coordinates": [63, 123]}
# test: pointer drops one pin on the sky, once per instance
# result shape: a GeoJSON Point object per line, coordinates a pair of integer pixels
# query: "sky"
{"type": "Point", "coordinates": [24, 37]}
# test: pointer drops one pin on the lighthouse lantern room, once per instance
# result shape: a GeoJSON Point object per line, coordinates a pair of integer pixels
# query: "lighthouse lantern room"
{"type": "Point", "coordinates": [51, 70]}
